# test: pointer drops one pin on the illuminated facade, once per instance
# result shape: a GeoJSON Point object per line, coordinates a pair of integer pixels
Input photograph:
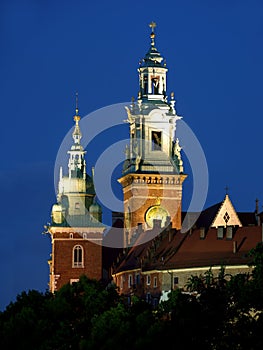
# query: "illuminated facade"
{"type": "Point", "coordinates": [153, 171]}
{"type": "Point", "coordinates": [157, 255]}
{"type": "Point", "coordinates": [76, 230]}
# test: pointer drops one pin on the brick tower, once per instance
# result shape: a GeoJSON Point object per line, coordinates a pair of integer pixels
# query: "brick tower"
{"type": "Point", "coordinates": [76, 230]}
{"type": "Point", "coordinates": [153, 170]}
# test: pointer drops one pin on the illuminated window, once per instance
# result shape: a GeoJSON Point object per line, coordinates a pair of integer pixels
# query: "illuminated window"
{"type": "Point", "coordinates": [78, 256]}
{"type": "Point", "coordinates": [156, 140]}
{"type": "Point", "coordinates": [148, 280]}
{"type": "Point", "coordinates": [130, 281]}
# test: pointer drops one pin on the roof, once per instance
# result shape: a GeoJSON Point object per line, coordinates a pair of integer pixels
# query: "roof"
{"type": "Point", "coordinates": [208, 216]}
{"type": "Point", "coordinates": [80, 221]}
{"type": "Point", "coordinates": [175, 250]}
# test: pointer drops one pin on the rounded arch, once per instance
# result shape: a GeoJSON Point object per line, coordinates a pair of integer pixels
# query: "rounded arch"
{"type": "Point", "coordinates": [78, 256]}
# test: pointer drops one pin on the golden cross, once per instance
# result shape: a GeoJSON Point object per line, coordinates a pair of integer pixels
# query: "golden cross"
{"type": "Point", "coordinates": [152, 25]}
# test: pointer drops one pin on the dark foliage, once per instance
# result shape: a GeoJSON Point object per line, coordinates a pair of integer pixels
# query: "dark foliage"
{"type": "Point", "coordinates": [212, 313]}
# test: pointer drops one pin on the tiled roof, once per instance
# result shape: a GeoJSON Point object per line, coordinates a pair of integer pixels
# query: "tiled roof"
{"type": "Point", "coordinates": [173, 249]}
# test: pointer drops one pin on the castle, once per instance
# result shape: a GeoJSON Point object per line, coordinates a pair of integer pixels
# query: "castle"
{"type": "Point", "coordinates": [155, 254]}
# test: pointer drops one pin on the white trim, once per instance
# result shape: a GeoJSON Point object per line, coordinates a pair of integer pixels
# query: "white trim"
{"type": "Point", "coordinates": [78, 264]}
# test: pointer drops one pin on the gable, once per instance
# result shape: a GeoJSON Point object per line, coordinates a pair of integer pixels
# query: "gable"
{"type": "Point", "coordinates": [226, 215]}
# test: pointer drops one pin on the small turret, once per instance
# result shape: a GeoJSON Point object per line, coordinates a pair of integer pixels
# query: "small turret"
{"type": "Point", "coordinates": [152, 73]}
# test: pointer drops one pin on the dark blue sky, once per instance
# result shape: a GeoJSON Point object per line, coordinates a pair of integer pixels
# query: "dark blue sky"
{"type": "Point", "coordinates": [51, 49]}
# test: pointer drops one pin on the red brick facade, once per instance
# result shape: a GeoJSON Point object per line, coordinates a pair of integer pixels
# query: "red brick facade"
{"type": "Point", "coordinates": [64, 265]}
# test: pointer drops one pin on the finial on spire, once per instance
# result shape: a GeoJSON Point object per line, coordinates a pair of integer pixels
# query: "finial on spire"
{"type": "Point", "coordinates": [77, 102]}
{"type": "Point", "coordinates": [77, 117]}
{"type": "Point", "coordinates": [152, 25]}
{"type": "Point", "coordinates": [226, 188]}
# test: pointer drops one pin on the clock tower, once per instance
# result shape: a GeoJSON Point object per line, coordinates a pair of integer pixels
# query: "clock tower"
{"type": "Point", "coordinates": [153, 170]}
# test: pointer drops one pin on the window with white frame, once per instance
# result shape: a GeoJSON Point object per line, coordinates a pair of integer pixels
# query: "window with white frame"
{"type": "Point", "coordinates": [78, 256]}
{"type": "Point", "coordinates": [74, 280]}
{"type": "Point", "coordinates": [148, 280]}
{"type": "Point", "coordinates": [130, 281]}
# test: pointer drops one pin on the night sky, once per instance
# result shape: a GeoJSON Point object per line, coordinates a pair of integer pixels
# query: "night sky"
{"type": "Point", "coordinates": [51, 49]}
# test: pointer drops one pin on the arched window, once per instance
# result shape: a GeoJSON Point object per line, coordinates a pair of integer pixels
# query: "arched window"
{"type": "Point", "coordinates": [78, 256]}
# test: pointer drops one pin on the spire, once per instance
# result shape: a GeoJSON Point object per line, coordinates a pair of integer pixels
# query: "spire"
{"type": "Point", "coordinates": [77, 107]}
{"type": "Point", "coordinates": [152, 73]}
{"type": "Point", "coordinates": [76, 133]}
{"type": "Point", "coordinates": [77, 164]}
{"type": "Point", "coordinates": [152, 25]}
{"type": "Point", "coordinates": [153, 56]}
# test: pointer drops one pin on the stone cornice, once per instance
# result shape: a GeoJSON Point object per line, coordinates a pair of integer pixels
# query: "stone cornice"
{"type": "Point", "coordinates": [149, 179]}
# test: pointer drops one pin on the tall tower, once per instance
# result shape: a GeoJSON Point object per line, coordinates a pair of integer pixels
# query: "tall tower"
{"type": "Point", "coordinates": [76, 230]}
{"type": "Point", "coordinates": [153, 170]}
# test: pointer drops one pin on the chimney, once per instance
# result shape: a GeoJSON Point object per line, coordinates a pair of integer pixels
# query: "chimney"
{"type": "Point", "coordinates": [257, 213]}
{"type": "Point", "coordinates": [234, 247]}
{"type": "Point", "coordinates": [256, 206]}
{"type": "Point", "coordinates": [170, 235]}
{"type": "Point", "coordinates": [202, 233]}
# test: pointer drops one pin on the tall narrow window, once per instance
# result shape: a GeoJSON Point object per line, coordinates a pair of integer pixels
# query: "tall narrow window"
{"type": "Point", "coordinates": [156, 140]}
{"type": "Point", "coordinates": [148, 280]}
{"type": "Point", "coordinates": [155, 86]}
{"type": "Point", "coordinates": [78, 256]}
{"type": "Point", "coordinates": [145, 83]}
{"type": "Point", "coordinates": [155, 282]}
{"type": "Point", "coordinates": [130, 281]}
